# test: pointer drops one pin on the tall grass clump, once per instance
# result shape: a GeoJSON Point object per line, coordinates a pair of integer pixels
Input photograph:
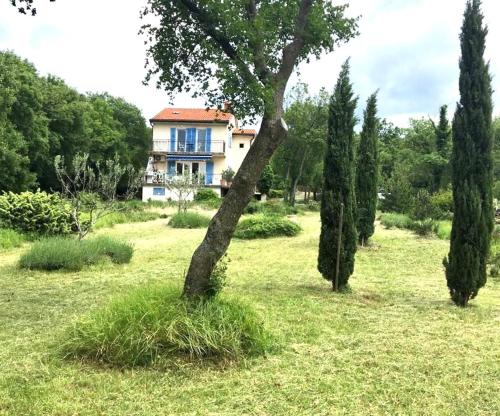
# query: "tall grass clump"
{"type": "Point", "coordinates": [154, 323]}
{"type": "Point", "coordinates": [189, 220]}
{"type": "Point", "coordinates": [10, 239]}
{"type": "Point", "coordinates": [126, 217]}
{"type": "Point", "coordinates": [265, 226]}
{"type": "Point", "coordinates": [59, 253]}
{"type": "Point", "coordinates": [393, 220]}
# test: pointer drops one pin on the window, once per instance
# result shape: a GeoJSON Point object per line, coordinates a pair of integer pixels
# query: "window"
{"type": "Point", "coordinates": [159, 191]}
{"type": "Point", "coordinates": [242, 145]}
{"type": "Point", "coordinates": [202, 140]}
{"type": "Point", "coordinates": [179, 168]}
{"type": "Point", "coordinates": [195, 168]}
{"type": "Point", "coordinates": [181, 140]}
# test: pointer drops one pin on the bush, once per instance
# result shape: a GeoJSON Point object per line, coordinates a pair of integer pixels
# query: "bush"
{"type": "Point", "coordinates": [205, 194]}
{"type": "Point", "coordinates": [210, 203]}
{"type": "Point", "coordinates": [444, 230]}
{"type": "Point", "coordinates": [424, 228]}
{"type": "Point", "coordinates": [10, 239]}
{"type": "Point", "coordinates": [189, 220]}
{"type": "Point", "coordinates": [263, 226]}
{"type": "Point", "coordinates": [60, 253]}
{"type": "Point", "coordinates": [35, 212]}
{"type": "Point", "coordinates": [155, 323]}
{"type": "Point", "coordinates": [422, 207]}
{"type": "Point", "coordinates": [442, 204]}
{"type": "Point", "coordinates": [270, 208]}
{"type": "Point", "coordinates": [276, 193]}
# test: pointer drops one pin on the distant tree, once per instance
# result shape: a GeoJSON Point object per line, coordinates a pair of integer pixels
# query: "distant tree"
{"type": "Point", "coordinates": [471, 165]}
{"type": "Point", "coordinates": [266, 179]}
{"type": "Point", "coordinates": [443, 139]}
{"type": "Point", "coordinates": [367, 173]}
{"type": "Point", "coordinates": [338, 186]}
{"type": "Point", "coordinates": [250, 48]}
{"type": "Point", "coordinates": [92, 191]}
{"type": "Point", "coordinates": [184, 188]}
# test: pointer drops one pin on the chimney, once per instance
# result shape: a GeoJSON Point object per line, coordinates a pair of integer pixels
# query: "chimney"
{"type": "Point", "coordinates": [228, 107]}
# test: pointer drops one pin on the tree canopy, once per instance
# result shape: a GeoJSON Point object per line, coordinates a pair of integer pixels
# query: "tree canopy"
{"type": "Point", "coordinates": [249, 47]}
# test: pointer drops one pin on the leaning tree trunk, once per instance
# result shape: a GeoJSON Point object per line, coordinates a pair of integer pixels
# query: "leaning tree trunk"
{"type": "Point", "coordinates": [222, 226]}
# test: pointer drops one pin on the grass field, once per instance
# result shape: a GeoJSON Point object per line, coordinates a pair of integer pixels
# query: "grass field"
{"type": "Point", "coordinates": [393, 345]}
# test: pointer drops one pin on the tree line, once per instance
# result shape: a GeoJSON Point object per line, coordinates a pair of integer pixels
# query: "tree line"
{"type": "Point", "coordinates": [42, 117]}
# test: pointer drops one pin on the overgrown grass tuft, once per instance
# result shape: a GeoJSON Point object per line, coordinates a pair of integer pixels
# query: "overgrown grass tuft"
{"type": "Point", "coordinates": [61, 253]}
{"type": "Point", "coordinates": [442, 229]}
{"type": "Point", "coordinates": [265, 226]}
{"type": "Point", "coordinates": [125, 217]}
{"type": "Point", "coordinates": [189, 220]}
{"type": "Point", "coordinates": [392, 220]}
{"type": "Point", "coordinates": [153, 323]}
{"type": "Point", "coordinates": [10, 239]}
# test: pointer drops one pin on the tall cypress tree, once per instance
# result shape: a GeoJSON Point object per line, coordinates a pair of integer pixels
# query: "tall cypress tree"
{"type": "Point", "coordinates": [367, 173]}
{"type": "Point", "coordinates": [443, 135]}
{"type": "Point", "coordinates": [338, 186]}
{"type": "Point", "coordinates": [471, 165]}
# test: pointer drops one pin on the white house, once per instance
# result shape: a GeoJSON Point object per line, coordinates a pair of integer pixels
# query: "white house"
{"type": "Point", "coordinates": [196, 141]}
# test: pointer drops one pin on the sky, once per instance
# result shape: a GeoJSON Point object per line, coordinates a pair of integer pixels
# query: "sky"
{"type": "Point", "coordinates": [407, 49]}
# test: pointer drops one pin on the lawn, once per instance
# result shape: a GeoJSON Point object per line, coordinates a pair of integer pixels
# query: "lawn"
{"type": "Point", "coordinates": [393, 345]}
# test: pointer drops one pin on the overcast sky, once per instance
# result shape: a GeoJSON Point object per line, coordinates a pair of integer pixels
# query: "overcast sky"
{"type": "Point", "coordinates": [408, 49]}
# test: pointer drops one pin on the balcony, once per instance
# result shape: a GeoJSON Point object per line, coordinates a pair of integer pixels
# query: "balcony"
{"type": "Point", "coordinates": [167, 146]}
{"type": "Point", "coordinates": [164, 178]}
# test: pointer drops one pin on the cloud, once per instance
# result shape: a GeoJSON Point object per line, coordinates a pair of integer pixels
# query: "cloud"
{"type": "Point", "coordinates": [407, 49]}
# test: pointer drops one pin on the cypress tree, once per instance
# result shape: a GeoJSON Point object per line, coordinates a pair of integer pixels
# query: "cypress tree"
{"type": "Point", "coordinates": [338, 186]}
{"type": "Point", "coordinates": [471, 165]}
{"type": "Point", "coordinates": [367, 173]}
{"type": "Point", "coordinates": [443, 132]}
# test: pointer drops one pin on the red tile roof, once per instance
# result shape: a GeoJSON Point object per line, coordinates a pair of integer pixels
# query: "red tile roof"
{"type": "Point", "coordinates": [249, 132]}
{"type": "Point", "coordinates": [193, 114]}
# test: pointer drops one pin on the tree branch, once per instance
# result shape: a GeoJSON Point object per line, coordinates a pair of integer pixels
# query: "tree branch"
{"type": "Point", "coordinates": [209, 27]}
{"type": "Point", "coordinates": [292, 50]}
{"type": "Point", "coordinates": [257, 45]}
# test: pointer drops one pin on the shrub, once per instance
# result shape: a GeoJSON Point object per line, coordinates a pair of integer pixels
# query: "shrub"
{"type": "Point", "coordinates": [442, 204]}
{"type": "Point", "coordinates": [35, 212]}
{"type": "Point", "coordinates": [205, 194]}
{"type": "Point", "coordinates": [276, 193]}
{"type": "Point", "coordinates": [263, 226]}
{"type": "Point", "coordinates": [10, 239]}
{"type": "Point", "coordinates": [189, 220]}
{"type": "Point", "coordinates": [270, 208]}
{"type": "Point", "coordinates": [60, 253]}
{"type": "Point", "coordinates": [424, 228]}
{"type": "Point", "coordinates": [443, 230]}
{"type": "Point", "coordinates": [266, 180]}
{"type": "Point", "coordinates": [155, 323]}
{"type": "Point", "coordinates": [210, 203]}
{"type": "Point", "coordinates": [422, 207]}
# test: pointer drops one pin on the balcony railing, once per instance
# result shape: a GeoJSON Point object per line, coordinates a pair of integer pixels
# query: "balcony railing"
{"type": "Point", "coordinates": [164, 178]}
{"type": "Point", "coordinates": [214, 146]}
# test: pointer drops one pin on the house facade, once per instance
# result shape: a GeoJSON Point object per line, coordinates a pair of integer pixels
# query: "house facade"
{"type": "Point", "coordinates": [198, 142]}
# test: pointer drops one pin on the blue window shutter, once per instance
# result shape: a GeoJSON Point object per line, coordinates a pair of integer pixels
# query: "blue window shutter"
{"type": "Point", "coordinates": [171, 167]}
{"type": "Point", "coordinates": [208, 141]}
{"type": "Point", "coordinates": [191, 136]}
{"type": "Point", "coordinates": [172, 138]}
{"type": "Point", "coordinates": [209, 173]}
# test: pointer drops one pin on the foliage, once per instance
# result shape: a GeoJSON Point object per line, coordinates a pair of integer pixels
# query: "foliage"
{"type": "Point", "coordinates": [442, 204]}
{"type": "Point", "coordinates": [265, 182]}
{"type": "Point", "coordinates": [10, 239]}
{"type": "Point", "coordinates": [338, 188]}
{"type": "Point", "coordinates": [60, 253]}
{"type": "Point", "coordinates": [398, 193]}
{"type": "Point", "coordinates": [443, 141]}
{"type": "Point", "coordinates": [471, 165]}
{"type": "Point", "coordinates": [266, 226]}
{"type": "Point", "coordinates": [218, 278]}
{"type": "Point", "coordinates": [227, 175]}
{"type": "Point", "coordinates": [394, 220]}
{"type": "Point", "coordinates": [184, 187]}
{"type": "Point", "coordinates": [41, 117]}
{"type": "Point", "coordinates": [205, 194]}
{"type": "Point", "coordinates": [301, 154]}
{"type": "Point", "coordinates": [422, 206]}
{"type": "Point", "coordinates": [270, 208]}
{"type": "Point", "coordinates": [155, 323]}
{"type": "Point", "coordinates": [94, 191]}
{"type": "Point", "coordinates": [36, 212]}
{"type": "Point", "coordinates": [188, 219]}
{"type": "Point", "coordinates": [245, 47]}
{"type": "Point", "coordinates": [367, 173]}
{"type": "Point", "coordinates": [425, 227]}
{"type": "Point", "coordinates": [276, 193]}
